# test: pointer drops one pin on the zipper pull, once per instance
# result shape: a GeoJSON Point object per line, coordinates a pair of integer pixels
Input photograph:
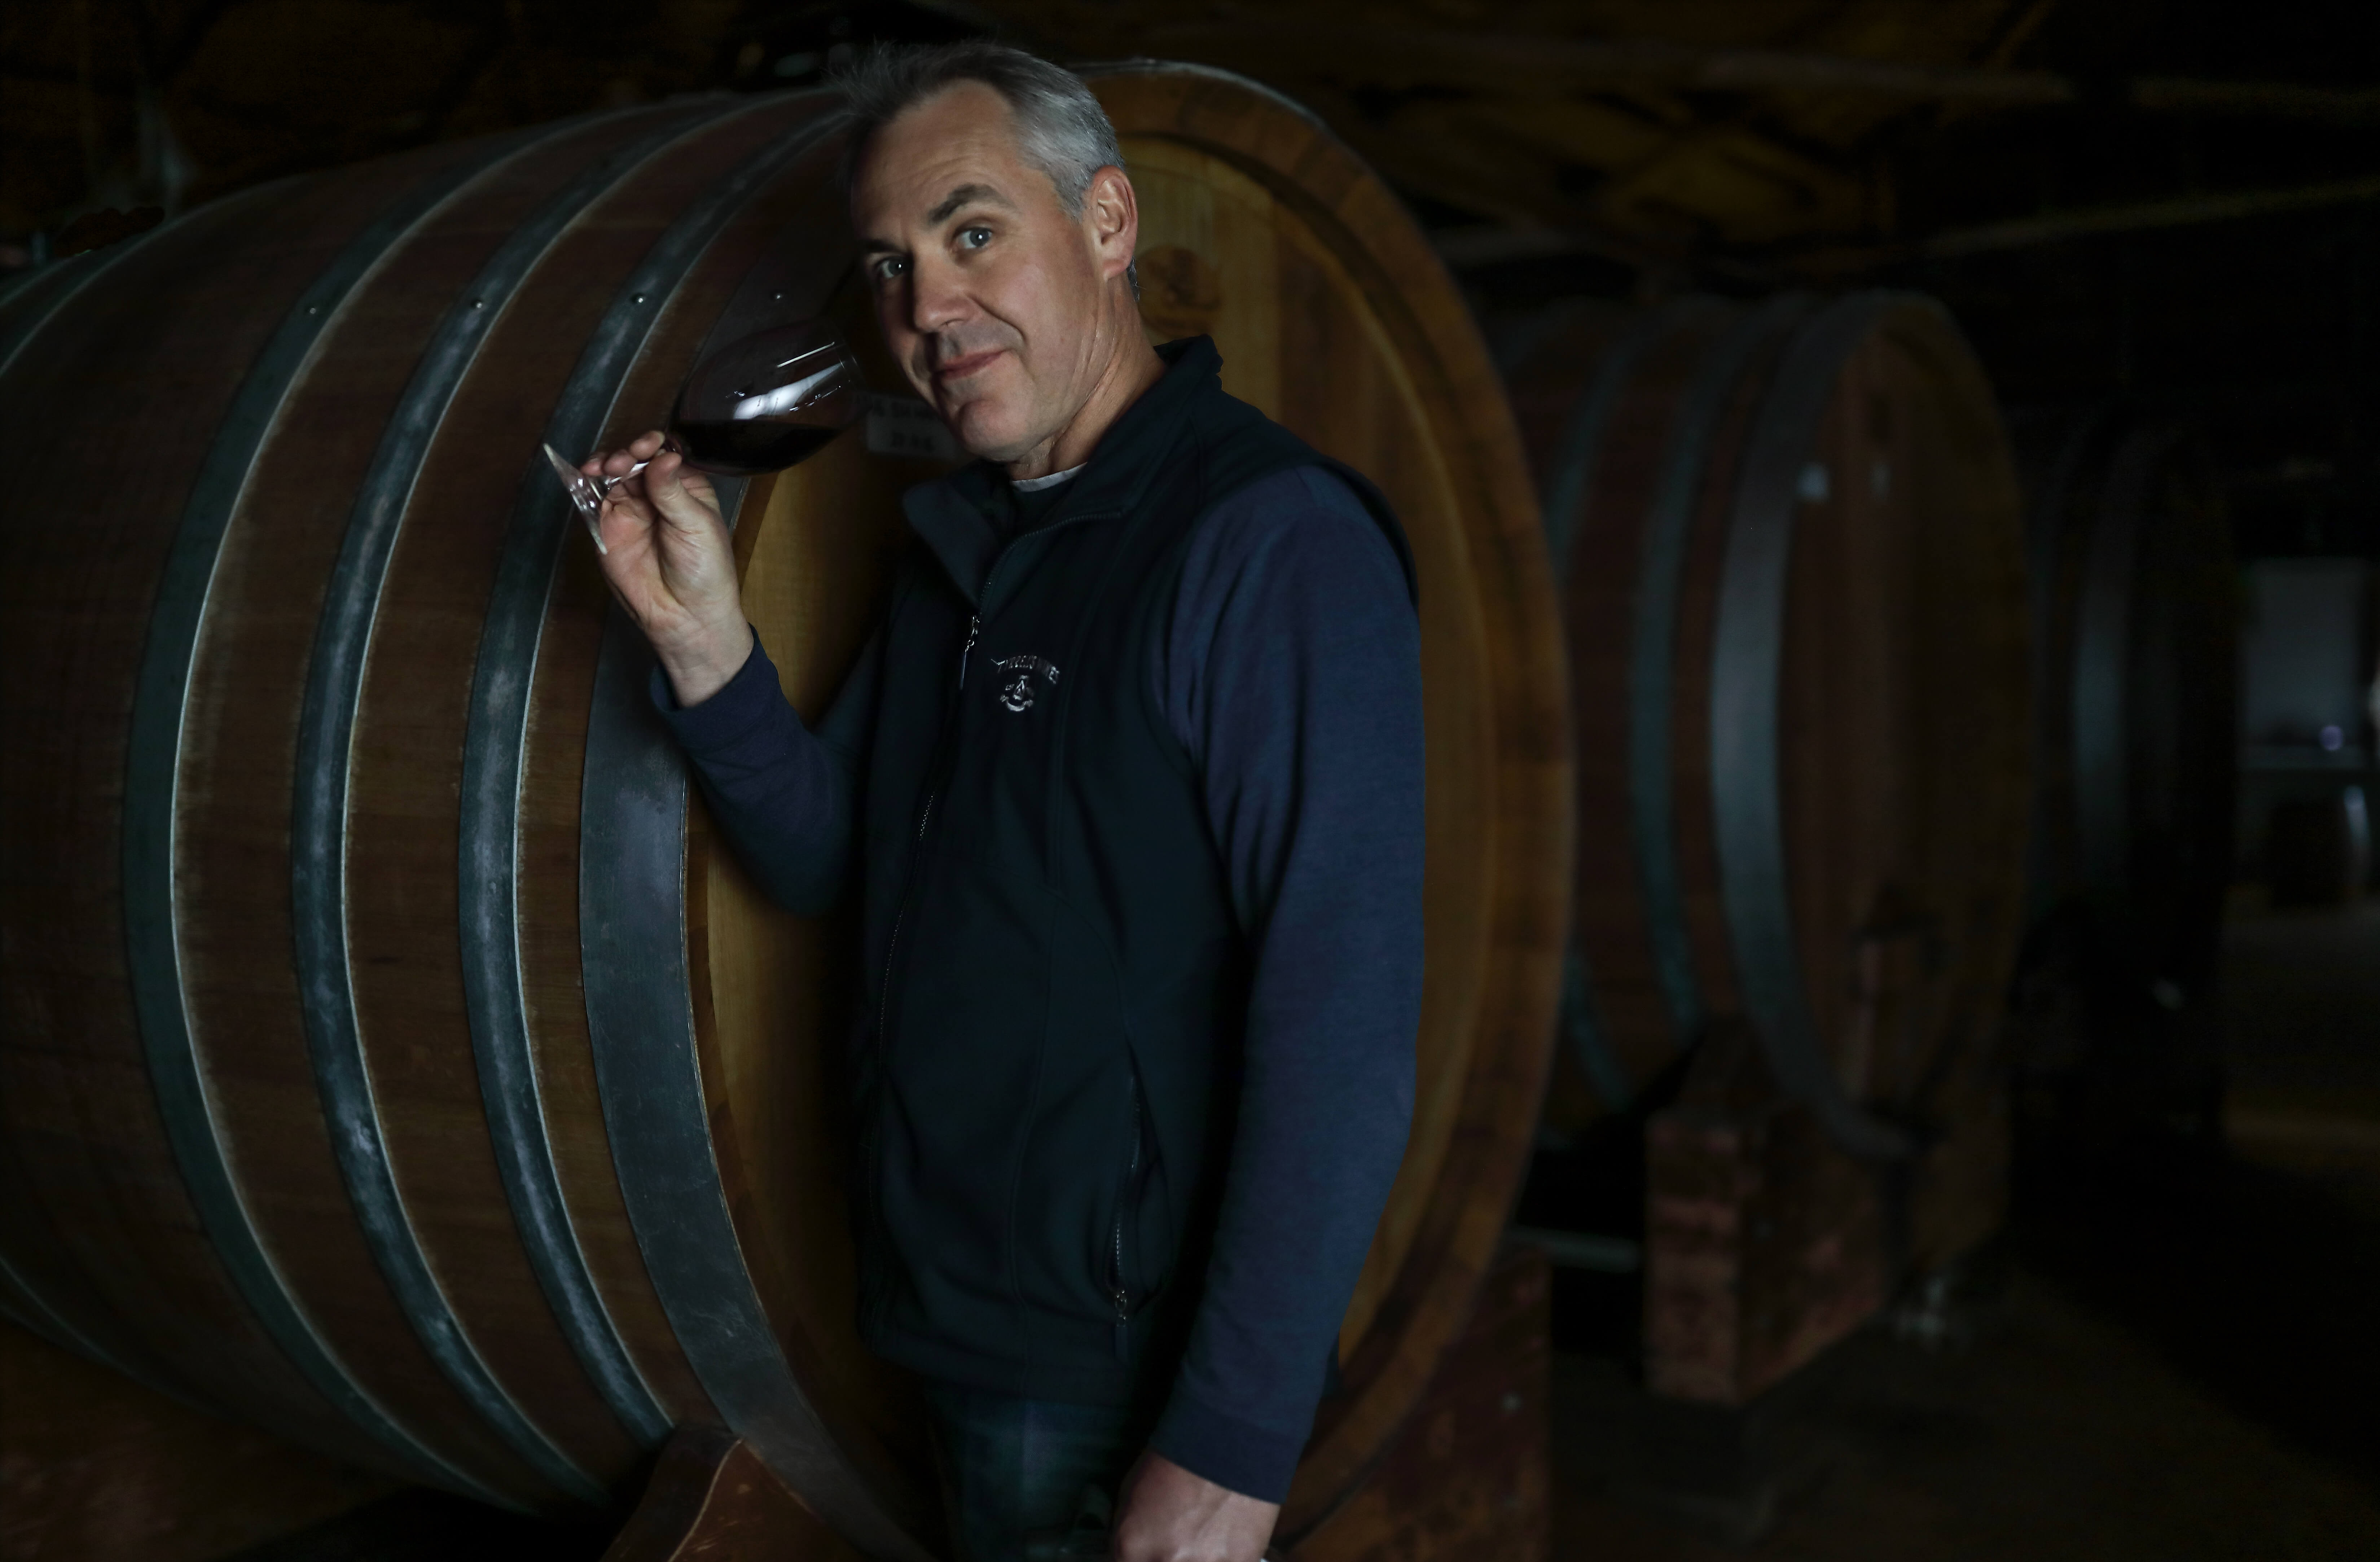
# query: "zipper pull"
{"type": "Point", "coordinates": [975, 627]}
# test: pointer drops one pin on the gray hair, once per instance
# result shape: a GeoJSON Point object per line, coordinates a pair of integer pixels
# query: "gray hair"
{"type": "Point", "coordinates": [1061, 128]}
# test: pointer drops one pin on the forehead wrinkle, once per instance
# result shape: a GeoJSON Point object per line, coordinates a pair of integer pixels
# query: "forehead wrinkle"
{"type": "Point", "coordinates": [959, 197]}
{"type": "Point", "coordinates": [964, 195]}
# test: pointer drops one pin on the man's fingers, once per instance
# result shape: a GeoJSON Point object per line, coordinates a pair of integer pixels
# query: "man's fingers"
{"type": "Point", "coordinates": [617, 463]}
{"type": "Point", "coordinates": [683, 498]}
{"type": "Point", "coordinates": [641, 448]}
{"type": "Point", "coordinates": [622, 519]}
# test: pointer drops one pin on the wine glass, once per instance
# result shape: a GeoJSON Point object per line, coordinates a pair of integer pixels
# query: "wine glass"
{"type": "Point", "coordinates": [761, 403]}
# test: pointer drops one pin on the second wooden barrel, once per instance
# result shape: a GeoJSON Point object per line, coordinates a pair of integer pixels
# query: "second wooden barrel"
{"type": "Point", "coordinates": [392, 1058]}
{"type": "Point", "coordinates": [2135, 606]}
{"type": "Point", "coordinates": [1791, 548]}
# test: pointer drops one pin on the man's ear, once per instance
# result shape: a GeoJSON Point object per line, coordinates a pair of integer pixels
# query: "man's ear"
{"type": "Point", "coordinates": [1112, 214]}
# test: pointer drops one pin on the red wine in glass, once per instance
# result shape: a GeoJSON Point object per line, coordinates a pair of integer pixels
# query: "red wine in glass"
{"type": "Point", "coordinates": [767, 401]}
{"type": "Point", "coordinates": [746, 449]}
{"type": "Point", "coordinates": [761, 403]}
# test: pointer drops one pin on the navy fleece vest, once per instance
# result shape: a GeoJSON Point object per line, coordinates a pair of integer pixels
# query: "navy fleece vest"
{"type": "Point", "coordinates": [1049, 1052]}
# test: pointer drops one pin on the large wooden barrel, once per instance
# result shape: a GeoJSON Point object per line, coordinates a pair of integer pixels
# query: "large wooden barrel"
{"type": "Point", "coordinates": [2135, 608]}
{"type": "Point", "coordinates": [1790, 545]}
{"type": "Point", "coordinates": [392, 1057]}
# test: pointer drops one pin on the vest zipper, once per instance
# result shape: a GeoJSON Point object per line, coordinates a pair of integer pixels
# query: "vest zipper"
{"type": "Point", "coordinates": [1123, 1292]}
{"type": "Point", "coordinates": [943, 761]}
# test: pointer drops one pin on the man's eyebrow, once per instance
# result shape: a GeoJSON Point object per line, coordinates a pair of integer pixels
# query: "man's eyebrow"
{"type": "Point", "coordinates": [942, 213]}
{"type": "Point", "coordinates": [963, 196]}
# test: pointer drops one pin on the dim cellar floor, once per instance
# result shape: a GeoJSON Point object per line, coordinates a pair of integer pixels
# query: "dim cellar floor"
{"type": "Point", "coordinates": [2179, 1362]}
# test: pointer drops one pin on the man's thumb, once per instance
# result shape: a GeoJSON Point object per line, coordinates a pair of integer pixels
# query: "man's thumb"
{"type": "Point", "coordinates": [676, 504]}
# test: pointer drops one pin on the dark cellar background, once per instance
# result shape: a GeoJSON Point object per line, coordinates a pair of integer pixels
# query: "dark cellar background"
{"type": "Point", "coordinates": [2173, 202]}
{"type": "Point", "coordinates": [2173, 205]}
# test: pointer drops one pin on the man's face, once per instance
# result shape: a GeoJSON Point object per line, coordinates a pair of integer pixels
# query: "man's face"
{"type": "Point", "coordinates": [988, 293]}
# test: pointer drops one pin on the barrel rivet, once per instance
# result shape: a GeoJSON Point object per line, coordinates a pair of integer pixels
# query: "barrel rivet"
{"type": "Point", "coordinates": [636, 297]}
{"type": "Point", "coordinates": [313, 309]}
{"type": "Point", "coordinates": [479, 303]}
{"type": "Point", "coordinates": [778, 296]}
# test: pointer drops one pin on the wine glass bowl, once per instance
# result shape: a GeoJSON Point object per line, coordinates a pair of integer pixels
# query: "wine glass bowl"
{"type": "Point", "coordinates": [761, 403]}
{"type": "Point", "coordinates": [769, 400]}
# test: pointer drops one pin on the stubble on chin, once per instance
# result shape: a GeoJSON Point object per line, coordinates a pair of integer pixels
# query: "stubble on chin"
{"type": "Point", "coordinates": [986, 436]}
{"type": "Point", "coordinates": [990, 421]}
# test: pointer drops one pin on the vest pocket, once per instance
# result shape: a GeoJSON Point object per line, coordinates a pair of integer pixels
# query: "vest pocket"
{"type": "Point", "coordinates": [1127, 1288]}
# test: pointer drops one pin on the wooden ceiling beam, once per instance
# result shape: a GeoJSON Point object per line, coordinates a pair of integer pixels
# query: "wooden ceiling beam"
{"type": "Point", "coordinates": [2057, 227]}
{"type": "Point", "coordinates": [1494, 177]}
{"type": "Point", "coordinates": [1404, 56]}
{"type": "Point", "coordinates": [1523, 63]}
{"type": "Point", "coordinates": [2279, 99]}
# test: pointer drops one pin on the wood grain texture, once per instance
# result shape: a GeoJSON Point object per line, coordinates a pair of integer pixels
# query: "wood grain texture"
{"type": "Point", "coordinates": [407, 767]}
{"type": "Point", "coordinates": [235, 785]}
{"type": "Point", "coordinates": [1360, 343]}
{"type": "Point", "coordinates": [554, 990]}
{"type": "Point", "coordinates": [94, 1468]}
{"type": "Point", "coordinates": [237, 780]}
{"type": "Point", "coordinates": [156, 348]}
{"type": "Point", "coordinates": [711, 1499]}
{"type": "Point", "coordinates": [1468, 1477]}
{"type": "Point", "coordinates": [1902, 699]}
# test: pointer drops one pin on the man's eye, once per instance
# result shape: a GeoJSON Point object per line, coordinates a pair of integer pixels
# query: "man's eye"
{"type": "Point", "coordinates": [891, 268]}
{"type": "Point", "coordinates": [975, 238]}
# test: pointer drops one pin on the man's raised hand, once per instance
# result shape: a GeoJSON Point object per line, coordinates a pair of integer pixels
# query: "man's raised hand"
{"type": "Point", "coordinates": [670, 563]}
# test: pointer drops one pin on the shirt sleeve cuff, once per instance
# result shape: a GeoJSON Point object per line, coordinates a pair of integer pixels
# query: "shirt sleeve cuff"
{"type": "Point", "coordinates": [741, 704]}
{"type": "Point", "coordinates": [1239, 1456]}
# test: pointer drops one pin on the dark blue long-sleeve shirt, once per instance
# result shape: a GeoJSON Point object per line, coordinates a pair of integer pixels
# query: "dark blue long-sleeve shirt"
{"type": "Point", "coordinates": [1290, 672]}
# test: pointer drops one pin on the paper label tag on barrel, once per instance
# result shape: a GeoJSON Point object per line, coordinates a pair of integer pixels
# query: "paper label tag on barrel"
{"type": "Point", "coordinates": [905, 425]}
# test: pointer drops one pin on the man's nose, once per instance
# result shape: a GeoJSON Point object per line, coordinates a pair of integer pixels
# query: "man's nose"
{"type": "Point", "coordinates": [936, 299]}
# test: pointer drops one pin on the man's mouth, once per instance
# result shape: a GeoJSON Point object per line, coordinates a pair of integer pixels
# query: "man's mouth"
{"type": "Point", "coordinates": [959, 369]}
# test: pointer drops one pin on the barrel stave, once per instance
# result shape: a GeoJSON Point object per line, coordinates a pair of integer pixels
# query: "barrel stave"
{"type": "Point", "coordinates": [570, 1099]}
{"type": "Point", "coordinates": [1622, 987]}
{"type": "Point", "coordinates": [269, 614]}
{"type": "Point", "coordinates": [2134, 608]}
{"type": "Point", "coordinates": [1896, 819]}
{"type": "Point", "coordinates": [2152, 830]}
{"type": "Point", "coordinates": [548, 812]}
{"type": "Point", "coordinates": [1699, 921]}
{"type": "Point", "coordinates": [156, 358]}
{"type": "Point", "coordinates": [1851, 814]}
{"type": "Point", "coordinates": [405, 770]}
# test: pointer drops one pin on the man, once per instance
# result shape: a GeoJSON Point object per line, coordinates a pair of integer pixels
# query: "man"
{"type": "Point", "coordinates": [1130, 782]}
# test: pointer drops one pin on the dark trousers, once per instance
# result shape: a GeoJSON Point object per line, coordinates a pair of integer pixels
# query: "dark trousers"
{"type": "Point", "coordinates": [1031, 1480]}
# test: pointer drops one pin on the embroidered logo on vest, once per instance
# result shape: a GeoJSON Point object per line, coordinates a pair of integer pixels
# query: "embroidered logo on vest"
{"type": "Point", "coordinates": [1016, 689]}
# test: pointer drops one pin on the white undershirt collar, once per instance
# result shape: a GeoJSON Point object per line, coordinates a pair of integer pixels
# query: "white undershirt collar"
{"type": "Point", "coordinates": [1034, 485]}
